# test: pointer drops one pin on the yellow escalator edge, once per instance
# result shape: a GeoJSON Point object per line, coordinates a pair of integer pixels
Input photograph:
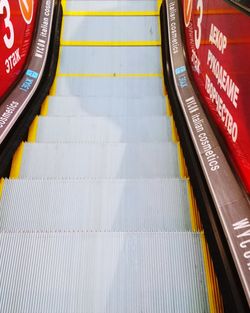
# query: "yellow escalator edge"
{"type": "Point", "coordinates": [1, 186]}
{"type": "Point", "coordinates": [45, 107]}
{"type": "Point", "coordinates": [159, 4]}
{"type": "Point", "coordinates": [110, 13]}
{"type": "Point", "coordinates": [168, 107]}
{"type": "Point", "coordinates": [33, 130]}
{"type": "Point", "coordinates": [115, 75]}
{"type": "Point", "coordinates": [82, 43]}
{"type": "Point", "coordinates": [182, 164]}
{"type": "Point", "coordinates": [17, 162]}
{"type": "Point", "coordinates": [194, 212]}
{"type": "Point", "coordinates": [214, 297]}
{"type": "Point", "coordinates": [175, 136]}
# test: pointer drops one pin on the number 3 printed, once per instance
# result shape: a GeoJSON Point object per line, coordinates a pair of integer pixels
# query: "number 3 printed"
{"type": "Point", "coordinates": [8, 40]}
{"type": "Point", "coordinates": [197, 34]}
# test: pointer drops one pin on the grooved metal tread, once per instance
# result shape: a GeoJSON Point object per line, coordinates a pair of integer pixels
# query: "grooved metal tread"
{"type": "Point", "coordinates": [111, 6]}
{"type": "Point", "coordinates": [118, 60]}
{"type": "Point", "coordinates": [103, 129]}
{"type": "Point", "coordinates": [106, 106]}
{"type": "Point", "coordinates": [100, 205]}
{"type": "Point", "coordinates": [78, 272]}
{"type": "Point", "coordinates": [89, 160]}
{"type": "Point", "coordinates": [113, 28]}
{"type": "Point", "coordinates": [109, 86]}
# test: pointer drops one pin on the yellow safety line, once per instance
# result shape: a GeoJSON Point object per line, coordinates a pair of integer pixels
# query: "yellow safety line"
{"type": "Point", "coordinates": [1, 186]}
{"type": "Point", "coordinates": [214, 297]}
{"type": "Point", "coordinates": [45, 107]}
{"type": "Point", "coordinates": [17, 162]}
{"type": "Point", "coordinates": [33, 130]}
{"type": "Point", "coordinates": [168, 107]}
{"type": "Point", "coordinates": [175, 136]}
{"type": "Point", "coordinates": [111, 13]}
{"type": "Point", "coordinates": [119, 75]}
{"type": "Point", "coordinates": [194, 213]}
{"type": "Point", "coordinates": [110, 43]}
{"type": "Point", "coordinates": [182, 164]}
{"type": "Point", "coordinates": [159, 2]}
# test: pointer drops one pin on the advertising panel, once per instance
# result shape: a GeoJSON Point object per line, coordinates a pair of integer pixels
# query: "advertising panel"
{"type": "Point", "coordinates": [218, 51]}
{"type": "Point", "coordinates": [17, 24]}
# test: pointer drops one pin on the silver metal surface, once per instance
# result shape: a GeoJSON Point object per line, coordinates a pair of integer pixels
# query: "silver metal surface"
{"type": "Point", "coordinates": [95, 205]}
{"type": "Point", "coordinates": [79, 272]}
{"type": "Point", "coordinates": [103, 129]}
{"type": "Point", "coordinates": [89, 160]}
{"type": "Point", "coordinates": [109, 86]}
{"type": "Point", "coordinates": [106, 106]}
{"type": "Point", "coordinates": [110, 60]}
{"type": "Point", "coordinates": [113, 28]}
{"type": "Point", "coordinates": [111, 6]}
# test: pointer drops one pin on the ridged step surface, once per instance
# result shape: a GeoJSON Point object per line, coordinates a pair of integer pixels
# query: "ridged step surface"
{"type": "Point", "coordinates": [109, 86]}
{"type": "Point", "coordinates": [118, 60]}
{"type": "Point", "coordinates": [140, 160]}
{"type": "Point", "coordinates": [95, 205]}
{"type": "Point", "coordinates": [102, 273]}
{"type": "Point", "coordinates": [106, 106]}
{"type": "Point", "coordinates": [111, 6]}
{"type": "Point", "coordinates": [103, 129]}
{"type": "Point", "coordinates": [113, 29]}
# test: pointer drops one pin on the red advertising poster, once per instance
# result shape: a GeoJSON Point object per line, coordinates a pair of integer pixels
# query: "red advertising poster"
{"type": "Point", "coordinates": [17, 22]}
{"type": "Point", "coordinates": [218, 50]}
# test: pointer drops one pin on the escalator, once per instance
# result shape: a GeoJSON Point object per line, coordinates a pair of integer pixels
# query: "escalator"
{"type": "Point", "coordinates": [98, 214]}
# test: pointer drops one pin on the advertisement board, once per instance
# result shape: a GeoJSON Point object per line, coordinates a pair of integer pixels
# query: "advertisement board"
{"type": "Point", "coordinates": [17, 25]}
{"type": "Point", "coordinates": [218, 51]}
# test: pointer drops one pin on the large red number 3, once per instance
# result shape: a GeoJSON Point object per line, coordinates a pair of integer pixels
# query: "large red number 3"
{"type": "Point", "coordinates": [9, 35]}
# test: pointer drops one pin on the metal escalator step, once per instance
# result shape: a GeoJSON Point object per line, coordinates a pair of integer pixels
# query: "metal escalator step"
{"type": "Point", "coordinates": [74, 272]}
{"type": "Point", "coordinates": [113, 29]}
{"type": "Point", "coordinates": [109, 86]}
{"type": "Point", "coordinates": [121, 160]}
{"type": "Point", "coordinates": [111, 6]}
{"type": "Point", "coordinates": [103, 129]}
{"type": "Point", "coordinates": [118, 60]}
{"type": "Point", "coordinates": [95, 205]}
{"type": "Point", "coordinates": [109, 106]}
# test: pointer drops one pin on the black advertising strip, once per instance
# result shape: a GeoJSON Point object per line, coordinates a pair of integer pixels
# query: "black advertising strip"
{"type": "Point", "coordinates": [230, 202]}
{"type": "Point", "coordinates": [16, 102]}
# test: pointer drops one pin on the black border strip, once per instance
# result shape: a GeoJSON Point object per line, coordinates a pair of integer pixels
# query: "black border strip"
{"type": "Point", "coordinates": [19, 130]}
{"type": "Point", "coordinates": [226, 207]}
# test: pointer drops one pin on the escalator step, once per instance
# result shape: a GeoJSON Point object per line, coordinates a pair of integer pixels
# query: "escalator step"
{"type": "Point", "coordinates": [88, 160]}
{"type": "Point", "coordinates": [102, 205]}
{"type": "Point", "coordinates": [89, 106]}
{"type": "Point", "coordinates": [118, 60]}
{"type": "Point", "coordinates": [113, 29]}
{"type": "Point", "coordinates": [103, 129]}
{"type": "Point", "coordinates": [78, 272]}
{"type": "Point", "coordinates": [109, 86]}
{"type": "Point", "coordinates": [112, 6]}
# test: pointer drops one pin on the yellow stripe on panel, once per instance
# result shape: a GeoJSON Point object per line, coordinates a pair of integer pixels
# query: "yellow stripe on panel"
{"type": "Point", "coordinates": [110, 43]}
{"type": "Point", "coordinates": [118, 75]}
{"type": "Point", "coordinates": [17, 162]}
{"type": "Point", "coordinates": [214, 297]}
{"type": "Point", "coordinates": [45, 107]}
{"type": "Point", "coordinates": [1, 186]}
{"type": "Point", "coordinates": [33, 130]}
{"type": "Point", "coordinates": [110, 13]}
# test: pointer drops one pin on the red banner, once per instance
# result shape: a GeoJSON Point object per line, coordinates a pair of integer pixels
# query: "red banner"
{"type": "Point", "coordinates": [218, 48]}
{"type": "Point", "coordinates": [17, 22]}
